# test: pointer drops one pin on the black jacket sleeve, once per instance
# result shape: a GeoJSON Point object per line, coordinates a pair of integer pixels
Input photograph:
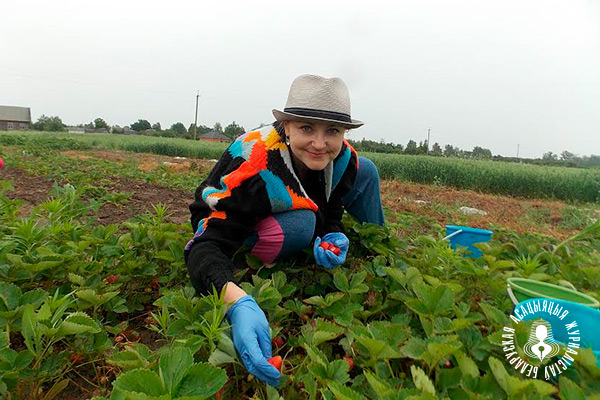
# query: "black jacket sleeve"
{"type": "Point", "coordinates": [335, 206]}
{"type": "Point", "coordinates": [225, 225]}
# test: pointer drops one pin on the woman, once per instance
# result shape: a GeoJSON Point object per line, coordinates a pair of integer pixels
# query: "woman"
{"type": "Point", "coordinates": [278, 189]}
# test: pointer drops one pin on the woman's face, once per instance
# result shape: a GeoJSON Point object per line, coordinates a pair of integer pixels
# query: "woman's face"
{"type": "Point", "coordinates": [314, 144]}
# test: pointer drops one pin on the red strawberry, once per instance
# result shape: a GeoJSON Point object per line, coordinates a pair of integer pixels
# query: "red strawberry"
{"type": "Point", "coordinates": [76, 358]}
{"type": "Point", "coordinates": [155, 283]}
{"type": "Point", "coordinates": [276, 362]}
{"type": "Point", "coordinates": [331, 247]}
{"type": "Point", "coordinates": [111, 279]}
{"type": "Point", "coordinates": [277, 342]}
{"type": "Point", "coordinates": [448, 364]}
{"type": "Point", "coordinates": [350, 361]}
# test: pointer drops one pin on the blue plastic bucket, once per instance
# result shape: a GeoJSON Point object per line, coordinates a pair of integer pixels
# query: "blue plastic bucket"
{"type": "Point", "coordinates": [465, 236]}
{"type": "Point", "coordinates": [588, 323]}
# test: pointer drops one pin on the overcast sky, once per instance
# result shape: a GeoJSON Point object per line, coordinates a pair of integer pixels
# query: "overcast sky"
{"type": "Point", "coordinates": [479, 73]}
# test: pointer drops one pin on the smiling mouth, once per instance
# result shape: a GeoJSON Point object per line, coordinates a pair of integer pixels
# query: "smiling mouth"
{"type": "Point", "coordinates": [316, 154]}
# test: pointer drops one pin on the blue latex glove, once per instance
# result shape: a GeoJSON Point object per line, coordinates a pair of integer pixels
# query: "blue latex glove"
{"type": "Point", "coordinates": [327, 258]}
{"type": "Point", "coordinates": [252, 339]}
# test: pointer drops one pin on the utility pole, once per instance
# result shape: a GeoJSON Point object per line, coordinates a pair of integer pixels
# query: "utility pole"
{"type": "Point", "coordinates": [196, 118]}
{"type": "Point", "coordinates": [428, 134]}
{"type": "Point", "coordinates": [518, 150]}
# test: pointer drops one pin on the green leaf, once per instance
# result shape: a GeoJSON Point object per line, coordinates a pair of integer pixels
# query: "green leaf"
{"type": "Point", "coordinates": [77, 323]}
{"type": "Point", "coordinates": [23, 359]}
{"type": "Point", "coordinates": [323, 332]}
{"type": "Point", "coordinates": [172, 366]}
{"type": "Point", "coordinates": [95, 299]}
{"type": "Point", "coordinates": [421, 380]}
{"type": "Point", "coordinates": [140, 381]}
{"type": "Point", "coordinates": [414, 348]}
{"type": "Point", "coordinates": [381, 388]}
{"type": "Point", "coordinates": [219, 357]}
{"type": "Point", "coordinates": [500, 374]}
{"type": "Point", "coordinates": [378, 349]}
{"type": "Point", "coordinates": [316, 355]}
{"type": "Point", "coordinates": [56, 389]}
{"type": "Point", "coordinates": [493, 315]}
{"type": "Point", "coordinates": [9, 296]}
{"type": "Point", "coordinates": [440, 299]}
{"type": "Point", "coordinates": [466, 364]}
{"type": "Point", "coordinates": [130, 358]}
{"type": "Point", "coordinates": [569, 390]}
{"type": "Point", "coordinates": [201, 381]}
{"type": "Point", "coordinates": [338, 371]}
{"type": "Point", "coordinates": [33, 297]}
{"type": "Point", "coordinates": [341, 281]}
{"type": "Point", "coordinates": [29, 329]}
{"type": "Point", "coordinates": [77, 279]}
{"type": "Point", "coordinates": [342, 392]}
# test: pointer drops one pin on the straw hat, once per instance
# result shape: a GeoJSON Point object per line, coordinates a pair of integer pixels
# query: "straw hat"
{"type": "Point", "coordinates": [318, 99]}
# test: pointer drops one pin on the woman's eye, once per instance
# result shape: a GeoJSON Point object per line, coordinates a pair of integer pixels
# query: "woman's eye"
{"type": "Point", "coordinates": [306, 128]}
{"type": "Point", "coordinates": [333, 131]}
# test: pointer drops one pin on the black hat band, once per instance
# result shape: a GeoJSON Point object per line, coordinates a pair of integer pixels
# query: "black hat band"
{"type": "Point", "coordinates": [309, 112]}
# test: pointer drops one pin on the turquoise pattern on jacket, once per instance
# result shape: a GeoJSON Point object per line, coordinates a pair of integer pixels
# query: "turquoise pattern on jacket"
{"type": "Point", "coordinates": [278, 193]}
{"type": "Point", "coordinates": [211, 189]}
{"type": "Point", "coordinates": [339, 167]}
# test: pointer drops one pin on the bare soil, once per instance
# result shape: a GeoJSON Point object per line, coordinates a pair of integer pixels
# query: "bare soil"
{"type": "Point", "coordinates": [438, 202]}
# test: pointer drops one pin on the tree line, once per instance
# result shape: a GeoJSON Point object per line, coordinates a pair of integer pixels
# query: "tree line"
{"type": "Point", "coordinates": [233, 130]}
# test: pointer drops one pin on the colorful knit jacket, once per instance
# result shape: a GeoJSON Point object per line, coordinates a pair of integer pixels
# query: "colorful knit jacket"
{"type": "Point", "coordinates": [254, 179]}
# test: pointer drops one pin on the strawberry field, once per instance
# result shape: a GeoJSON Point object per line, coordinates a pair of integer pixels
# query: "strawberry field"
{"type": "Point", "coordinates": [95, 300]}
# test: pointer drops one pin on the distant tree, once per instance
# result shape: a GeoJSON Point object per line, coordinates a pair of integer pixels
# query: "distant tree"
{"type": "Point", "coordinates": [549, 156]}
{"type": "Point", "coordinates": [422, 148]}
{"type": "Point", "coordinates": [436, 150]}
{"type": "Point", "coordinates": [117, 129]}
{"type": "Point", "coordinates": [141, 125]}
{"type": "Point", "coordinates": [481, 153]}
{"type": "Point", "coordinates": [99, 123]}
{"type": "Point", "coordinates": [179, 128]}
{"type": "Point", "coordinates": [200, 130]}
{"type": "Point", "coordinates": [156, 127]}
{"type": "Point", "coordinates": [233, 130]}
{"type": "Point", "coordinates": [451, 151]}
{"type": "Point", "coordinates": [218, 128]}
{"type": "Point", "coordinates": [50, 124]}
{"type": "Point", "coordinates": [411, 147]}
{"type": "Point", "coordinates": [567, 156]}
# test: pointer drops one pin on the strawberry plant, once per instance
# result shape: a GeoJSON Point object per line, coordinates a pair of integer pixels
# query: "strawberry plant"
{"type": "Point", "coordinates": [406, 316]}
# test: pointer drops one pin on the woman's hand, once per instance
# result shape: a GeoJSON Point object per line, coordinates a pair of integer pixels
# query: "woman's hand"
{"type": "Point", "coordinates": [252, 339]}
{"type": "Point", "coordinates": [328, 257]}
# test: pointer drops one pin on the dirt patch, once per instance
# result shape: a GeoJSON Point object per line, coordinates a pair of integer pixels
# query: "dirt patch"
{"type": "Point", "coordinates": [145, 162]}
{"type": "Point", "coordinates": [32, 189]}
{"type": "Point", "coordinates": [443, 204]}
{"type": "Point", "coordinates": [144, 195]}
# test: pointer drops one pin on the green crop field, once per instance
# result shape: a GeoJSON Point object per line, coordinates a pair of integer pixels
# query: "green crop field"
{"type": "Point", "coordinates": [532, 181]}
{"type": "Point", "coordinates": [95, 298]}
